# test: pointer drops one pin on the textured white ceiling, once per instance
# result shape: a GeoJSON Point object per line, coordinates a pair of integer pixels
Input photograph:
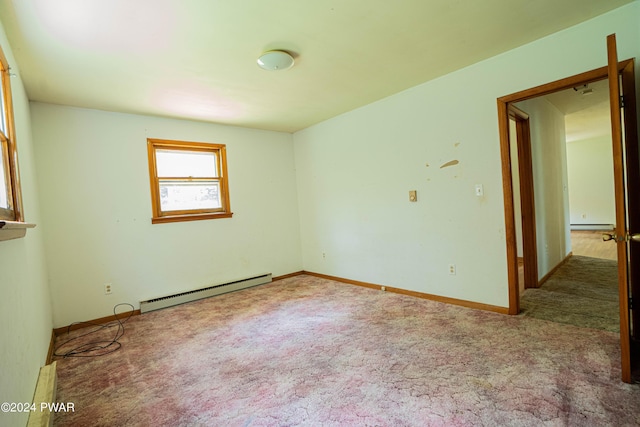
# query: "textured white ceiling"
{"type": "Point", "coordinates": [586, 116]}
{"type": "Point", "coordinates": [196, 59]}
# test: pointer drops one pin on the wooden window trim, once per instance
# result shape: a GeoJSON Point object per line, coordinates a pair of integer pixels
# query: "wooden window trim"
{"type": "Point", "coordinates": [189, 215]}
{"type": "Point", "coordinates": [15, 212]}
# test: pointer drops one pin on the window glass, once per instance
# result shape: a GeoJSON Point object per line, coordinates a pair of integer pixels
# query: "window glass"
{"type": "Point", "coordinates": [181, 196]}
{"type": "Point", "coordinates": [3, 119]}
{"type": "Point", "coordinates": [4, 197]}
{"type": "Point", "coordinates": [178, 163]}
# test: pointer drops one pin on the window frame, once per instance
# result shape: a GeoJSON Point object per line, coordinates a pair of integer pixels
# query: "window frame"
{"type": "Point", "coordinates": [9, 152]}
{"type": "Point", "coordinates": [193, 214]}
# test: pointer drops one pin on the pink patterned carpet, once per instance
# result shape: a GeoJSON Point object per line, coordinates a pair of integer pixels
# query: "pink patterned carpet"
{"type": "Point", "coordinates": [309, 351]}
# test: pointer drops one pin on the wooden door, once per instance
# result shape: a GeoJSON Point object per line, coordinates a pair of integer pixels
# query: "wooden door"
{"type": "Point", "coordinates": [627, 193]}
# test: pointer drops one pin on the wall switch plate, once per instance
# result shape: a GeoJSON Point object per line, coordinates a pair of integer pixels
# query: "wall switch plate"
{"type": "Point", "coordinates": [413, 196]}
{"type": "Point", "coordinates": [479, 190]}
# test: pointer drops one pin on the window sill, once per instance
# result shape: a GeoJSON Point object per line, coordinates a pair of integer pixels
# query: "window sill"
{"type": "Point", "coordinates": [13, 229]}
{"type": "Point", "coordinates": [196, 217]}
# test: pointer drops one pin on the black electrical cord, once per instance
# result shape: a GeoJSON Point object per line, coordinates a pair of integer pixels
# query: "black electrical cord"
{"type": "Point", "coordinates": [96, 348]}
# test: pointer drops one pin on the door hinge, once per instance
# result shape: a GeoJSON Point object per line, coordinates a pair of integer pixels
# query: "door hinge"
{"type": "Point", "coordinates": [621, 101]}
{"type": "Point", "coordinates": [630, 303]}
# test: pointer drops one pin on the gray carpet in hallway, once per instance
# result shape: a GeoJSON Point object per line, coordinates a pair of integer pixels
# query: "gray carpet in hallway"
{"type": "Point", "coordinates": [582, 292]}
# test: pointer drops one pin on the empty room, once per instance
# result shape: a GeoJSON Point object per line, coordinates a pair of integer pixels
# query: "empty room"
{"type": "Point", "coordinates": [311, 213]}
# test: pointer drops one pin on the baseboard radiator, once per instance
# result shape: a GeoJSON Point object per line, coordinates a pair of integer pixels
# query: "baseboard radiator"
{"type": "Point", "coordinates": [592, 227]}
{"type": "Point", "coordinates": [44, 398]}
{"type": "Point", "coordinates": [183, 297]}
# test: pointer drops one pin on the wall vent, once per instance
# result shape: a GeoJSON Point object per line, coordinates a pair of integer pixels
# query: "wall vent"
{"type": "Point", "coordinates": [183, 297]}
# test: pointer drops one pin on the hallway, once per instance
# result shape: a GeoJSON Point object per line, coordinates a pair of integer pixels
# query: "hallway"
{"type": "Point", "coordinates": [583, 291]}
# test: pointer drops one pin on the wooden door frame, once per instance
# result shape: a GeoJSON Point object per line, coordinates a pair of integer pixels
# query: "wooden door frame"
{"type": "Point", "coordinates": [504, 104]}
{"type": "Point", "coordinates": [526, 199]}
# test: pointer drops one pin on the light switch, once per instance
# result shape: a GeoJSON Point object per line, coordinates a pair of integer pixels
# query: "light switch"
{"type": "Point", "coordinates": [413, 196]}
{"type": "Point", "coordinates": [479, 190]}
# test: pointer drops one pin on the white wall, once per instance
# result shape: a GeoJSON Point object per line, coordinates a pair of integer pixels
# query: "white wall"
{"type": "Point", "coordinates": [591, 190]}
{"type": "Point", "coordinates": [97, 208]}
{"type": "Point", "coordinates": [354, 171]}
{"type": "Point", "coordinates": [550, 189]}
{"type": "Point", "coordinates": [25, 305]}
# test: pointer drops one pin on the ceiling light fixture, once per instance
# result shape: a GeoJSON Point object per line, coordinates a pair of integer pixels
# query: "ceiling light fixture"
{"type": "Point", "coordinates": [585, 90]}
{"type": "Point", "coordinates": [275, 60]}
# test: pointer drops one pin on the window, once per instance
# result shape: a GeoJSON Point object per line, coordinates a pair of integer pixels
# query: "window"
{"type": "Point", "coordinates": [10, 197]}
{"type": "Point", "coordinates": [188, 181]}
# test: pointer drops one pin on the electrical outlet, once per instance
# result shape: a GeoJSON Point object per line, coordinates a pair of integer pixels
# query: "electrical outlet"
{"type": "Point", "coordinates": [452, 269]}
{"type": "Point", "coordinates": [324, 255]}
{"type": "Point", "coordinates": [107, 289]}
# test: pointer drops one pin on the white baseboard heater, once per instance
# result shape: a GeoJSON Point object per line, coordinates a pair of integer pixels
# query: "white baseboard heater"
{"type": "Point", "coordinates": [183, 297]}
{"type": "Point", "coordinates": [593, 227]}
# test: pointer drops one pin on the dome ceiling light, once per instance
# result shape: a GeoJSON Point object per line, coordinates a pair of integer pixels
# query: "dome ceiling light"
{"type": "Point", "coordinates": [275, 60]}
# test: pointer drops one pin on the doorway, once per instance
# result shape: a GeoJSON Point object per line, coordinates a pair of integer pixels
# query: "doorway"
{"type": "Point", "coordinates": [572, 166]}
{"type": "Point", "coordinates": [627, 183]}
{"type": "Point", "coordinates": [506, 106]}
